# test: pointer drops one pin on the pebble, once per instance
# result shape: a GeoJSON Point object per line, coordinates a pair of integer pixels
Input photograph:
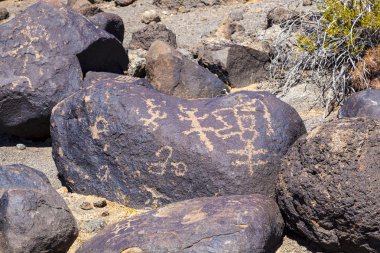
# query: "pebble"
{"type": "Point", "coordinates": [86, 206]}
{"type": "Point", "coordinates": [4, 14]}
{"type": "Point", "coordinates": [93, 225]}
{"type": "Point", "coordinates": [20, 146]}
{"type": "Point", "coordinates": [100, 203]}
{"type": "Point", "coordinates": [236, 15]}
{"type": "Point", "coordinates": [105, 214]}
{"type": "Point", "coordinates": [150, 16]}
{"type": "Point", "coordinates": [307, 2]}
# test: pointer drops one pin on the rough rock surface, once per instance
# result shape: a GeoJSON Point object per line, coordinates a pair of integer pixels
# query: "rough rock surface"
{"type": "Point", "coordinates": [93, 78]}
{"type": "Point", "coordinates": [43, 53]}
{"type": "Point", "coordinates": [362, 104]}
{"type": "Point", "coordinates": [243, 224]}
{"type": "Point", "coordinates": [143, 148]}
{"type": "Point", "coordinates": [110, 23]}
{"type": "Point", "coordinates": [329, 186]}
{"type": "Point", "coordinates": [173, 74]}
{"type": "Point", "coordinates": [145, 37]}
{"type": "Point", "coordinates": [236, 65]}
{"type": "Point", "coordinates": [33, 217]}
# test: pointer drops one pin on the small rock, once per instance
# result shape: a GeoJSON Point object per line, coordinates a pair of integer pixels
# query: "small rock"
{"type": "Point", "coordinates": [144, 37]}
{"type": "Point", "coordinates": [182, 9]}
{"type": "Point", "coordinates": [123, 3]}
{"type": "Point", "coordinates": [279, 16]}
{"type": "Point", "coordinates": [150, 16]}
{"type": "Point", "coordinates": [307, 2]}
{"type": "Point", "coordinates": [105, 214]}
{"type": "Point", "coordinates": [4, 14]}
{"type": "Point", "coordinates": [21, 146]}
{"type": "Point", "coordinates": [236, 15]}
{"type": "Point", "coordinates": [86, 206]}
{"type": "Point", "coordinates": [93, 225]}
{"type": "Point", "coordinates": [100, 203]}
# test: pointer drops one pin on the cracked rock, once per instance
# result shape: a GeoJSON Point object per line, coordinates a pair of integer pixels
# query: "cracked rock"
{"type": "Point", "coordinates": [242, 224]}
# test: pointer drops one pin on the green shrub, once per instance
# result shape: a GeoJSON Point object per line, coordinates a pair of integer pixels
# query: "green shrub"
{"type": "Point", "coordinates": [325, 46]}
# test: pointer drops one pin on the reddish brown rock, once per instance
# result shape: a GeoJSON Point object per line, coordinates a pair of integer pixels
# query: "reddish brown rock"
{"type": "Point", "coordinates": [243, 224]}
{"type": "Point", "coordinates": [329, 186]}
{"type": "Point", "coordinates": [173, 74]}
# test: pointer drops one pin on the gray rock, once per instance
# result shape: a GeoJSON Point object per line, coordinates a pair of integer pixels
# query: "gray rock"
{"type": "Point", "coordinates": [244, 224]}
{"type": "Point", "coordinates": [144, 38]}
{"type": "Point", "coordinates": [93, 225]}
{"type": "Point", "coordinates": [20, 146]}
{"type": "Point", "coordinates": [236, 15]}
{"type": "Point", "coordinates": [33, 216]}
{"type": "Point", "coordinates": [150, 16]}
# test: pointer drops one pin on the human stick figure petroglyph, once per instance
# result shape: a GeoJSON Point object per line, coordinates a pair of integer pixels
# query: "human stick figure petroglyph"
{"type": "Point", "coordinates": [155, 114]}
{"type": "Point", "coordinates": [239, 121]}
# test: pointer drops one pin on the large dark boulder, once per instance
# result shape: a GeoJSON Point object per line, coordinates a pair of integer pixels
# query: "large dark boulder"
{"type": "Point", "coordinates": [236, 65]}
{"type": "Point", "coordinates": [362, 104]}
{"type": "Point", "coordinates": [143, 148]}
{"type": "Point", "coordinates": [109, 22]}
{"type": "Point", "coordinates": [43, 54]}
{"type": "Point", "coordinates": [172, 73]}
{"type": "Point", "coordinates": [241, 224]}
{"type": "Point", "coordinates": [33, 216]}
{"type": "Point", "coordinates": [144, 38]}
{"type": "Point", "coordinates": [329, 186]}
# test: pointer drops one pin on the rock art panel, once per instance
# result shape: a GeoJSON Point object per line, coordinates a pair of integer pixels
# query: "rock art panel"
{"type": "Point", "coordinates": [44, 52]}
{"type": "Point", "coordinates": [144, 148]}
{"type": "Point", "coordinates": [230, 224]}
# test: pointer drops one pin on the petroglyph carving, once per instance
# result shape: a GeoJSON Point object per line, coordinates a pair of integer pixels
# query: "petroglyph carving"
{"type": "Point", "coordinates": [100, 126]}
{"type": "Point", "coordinates": [239, 122]}
{"type": "Point", "coordinates": [155, 113]}
{"type": "Point", "coordinates": [104, 173]}
{"type": "Point", "coordinates": [164, 154]}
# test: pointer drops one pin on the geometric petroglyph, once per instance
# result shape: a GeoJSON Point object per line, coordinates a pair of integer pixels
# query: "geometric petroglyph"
{"type": "Point", "coordinates": [155, 114]}
{"type": "Point", "coordinates": [164, 154]}
{"type": "Point", "coordinates": [239, 123]}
